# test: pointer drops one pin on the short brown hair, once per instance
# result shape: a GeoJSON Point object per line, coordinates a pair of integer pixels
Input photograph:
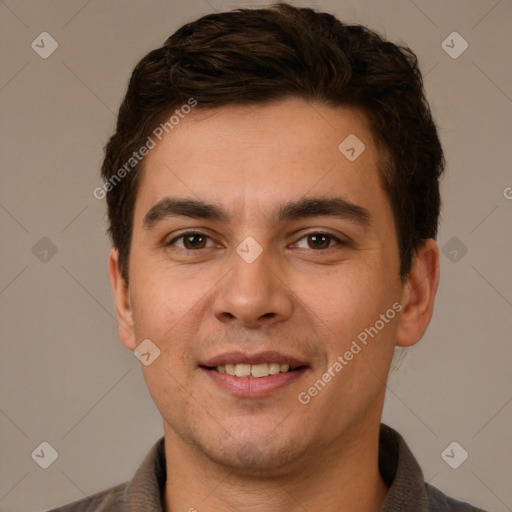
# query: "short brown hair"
{"type": "Point", "coordinates": [255, 56]}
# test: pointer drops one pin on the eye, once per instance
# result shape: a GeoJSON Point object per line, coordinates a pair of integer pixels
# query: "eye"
{"type": "Point", "coordinates": [191, 240]}
{"type": "Point", "coordinates": [319, 241]}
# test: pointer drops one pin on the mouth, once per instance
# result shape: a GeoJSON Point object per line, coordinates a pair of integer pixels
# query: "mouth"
{"type": "Point", "coordinates": [254, 375]}
{"type": "Point", "coordinates": [254, 371]}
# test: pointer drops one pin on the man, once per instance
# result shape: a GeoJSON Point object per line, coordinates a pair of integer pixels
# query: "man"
{"type": "Point", "coordinates": [273, 199]}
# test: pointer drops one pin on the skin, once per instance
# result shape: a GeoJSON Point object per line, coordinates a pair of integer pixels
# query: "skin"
{"type": "Point", "coordinates": [272, 453]}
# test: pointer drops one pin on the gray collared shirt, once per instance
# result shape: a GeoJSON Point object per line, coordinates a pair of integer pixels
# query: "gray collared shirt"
{"type": "Point", "coordinates": [407, 490]}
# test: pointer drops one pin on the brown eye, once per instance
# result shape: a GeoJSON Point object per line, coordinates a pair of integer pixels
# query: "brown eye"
{"type": "Point", "coordinates": [194, 241]}
{"type": "Point", "coordinates": [190, 241]}
{"type": "Point", "coordinates": [318, 241]}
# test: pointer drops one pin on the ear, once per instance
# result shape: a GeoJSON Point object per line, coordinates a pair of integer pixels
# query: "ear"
{"type": "Point", "coordinates": [122, 303]}
{"type": "Point", "coordinates": [418, 294]}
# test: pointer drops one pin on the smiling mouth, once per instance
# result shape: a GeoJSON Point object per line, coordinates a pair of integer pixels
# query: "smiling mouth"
{"type": "Point", "coordinates": [253, 371]}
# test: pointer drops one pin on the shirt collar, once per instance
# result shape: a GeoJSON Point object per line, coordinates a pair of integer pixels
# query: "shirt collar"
{"type": "Point", "coordinates": [401, 473]}
{"type": "Point", "coordinates": [146, 488]}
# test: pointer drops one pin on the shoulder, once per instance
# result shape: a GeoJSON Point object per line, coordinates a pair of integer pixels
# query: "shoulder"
{"type": "Point", "coordinates": [407, 489]}
{"type": "Point", "coordinates": [142, 492]}
{"type": "Point", "coordinates": [440, 502]}
{"type": "Point", "coordinates": [109, 500]}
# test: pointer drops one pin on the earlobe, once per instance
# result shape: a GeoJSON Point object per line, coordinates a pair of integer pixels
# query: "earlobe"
{"type": "Point", "coordinates": [418, 295]}
{"type": "Point", "coordinates": [122, 302]}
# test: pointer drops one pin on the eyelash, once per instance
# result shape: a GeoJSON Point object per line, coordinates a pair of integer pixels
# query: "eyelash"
{"type": "Point", "coordinates": [192, 233]}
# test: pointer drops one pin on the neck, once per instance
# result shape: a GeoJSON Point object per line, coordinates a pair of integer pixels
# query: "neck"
{"type": "Point", "coordinates": [344, 478]}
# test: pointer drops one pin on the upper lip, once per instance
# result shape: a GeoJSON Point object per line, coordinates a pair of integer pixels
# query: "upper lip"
{"type": "Point", "coordinates": [267, 356]}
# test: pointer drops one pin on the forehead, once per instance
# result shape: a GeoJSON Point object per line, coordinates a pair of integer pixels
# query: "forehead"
{"type": "Point", "coordinates": [260, 155]}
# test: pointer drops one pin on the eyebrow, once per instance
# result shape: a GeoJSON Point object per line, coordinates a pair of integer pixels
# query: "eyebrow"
{"type": "Point", "coordinates": [337, 207]}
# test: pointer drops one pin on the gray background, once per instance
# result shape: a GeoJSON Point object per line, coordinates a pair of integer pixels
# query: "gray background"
{"type": "Point", "coordinates": [67, 380]}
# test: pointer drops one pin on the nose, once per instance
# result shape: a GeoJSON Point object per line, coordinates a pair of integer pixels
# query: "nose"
{"type": "Point", "coordinates": [253, 294]}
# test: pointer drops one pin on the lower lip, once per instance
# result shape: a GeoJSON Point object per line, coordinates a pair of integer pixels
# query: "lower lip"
{"type": "Point", "coordinates": [253, 387]}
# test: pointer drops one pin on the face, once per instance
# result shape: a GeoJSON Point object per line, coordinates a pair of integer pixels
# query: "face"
{"type": "Point", "coordinates": [257, 244]}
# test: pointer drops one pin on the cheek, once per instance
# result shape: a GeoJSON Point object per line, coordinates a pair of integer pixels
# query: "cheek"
{"type": "Point", "coordinates": [167, 311]}
{"type": "Point", "coordinates": [347, 301]}
{"type": "Point", "coordinates": [161, 300]}
{"type": "Point", "coordinates": [347, 313]}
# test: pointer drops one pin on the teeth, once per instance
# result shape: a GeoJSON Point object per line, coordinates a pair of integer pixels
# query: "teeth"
{"type": "Point", "coordinates": [254, 370]}
{"type": "Point", "coordinates": [274, 368]}
{"type": "Point", "coordinates": [260, 370]}
{"type": "Point", "coordinates": [243, 370]}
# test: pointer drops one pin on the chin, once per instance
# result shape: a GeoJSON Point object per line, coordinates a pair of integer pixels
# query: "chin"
{"type": "Point", "coordinates": [254, 453]}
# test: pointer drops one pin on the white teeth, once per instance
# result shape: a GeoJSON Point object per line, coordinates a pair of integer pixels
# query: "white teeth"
{"type": "Point", "coordinates": [274, 368]}
{"type": "Point", "coordinates": [259, 370]}
{"type": "Point", "coordinates": [254, 370]}
{"type": "Point", "coordinates": [243, 370]}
